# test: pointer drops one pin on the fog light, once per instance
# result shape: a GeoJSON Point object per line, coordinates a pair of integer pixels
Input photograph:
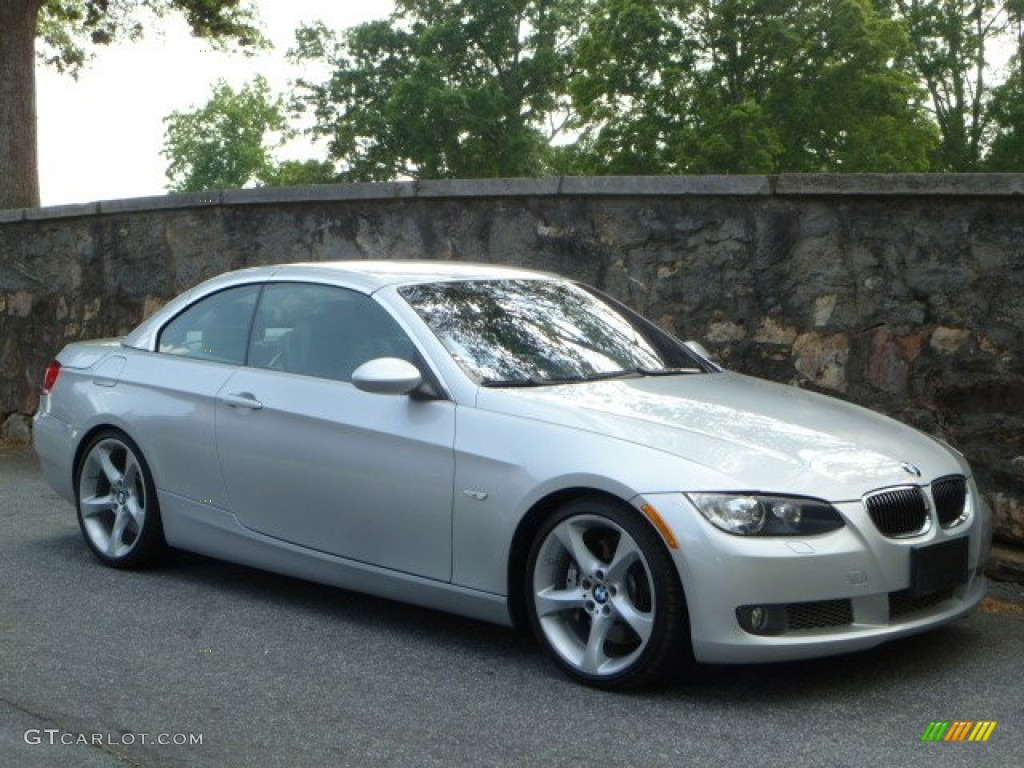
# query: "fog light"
{"type": "Point", "coordinates": [758, 618]}
{"type": "Point", "coordinates": [762, 619]}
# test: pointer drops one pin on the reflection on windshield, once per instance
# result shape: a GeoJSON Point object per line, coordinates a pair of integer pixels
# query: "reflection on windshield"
{"type": "Point", "coordinates": [522, 332]}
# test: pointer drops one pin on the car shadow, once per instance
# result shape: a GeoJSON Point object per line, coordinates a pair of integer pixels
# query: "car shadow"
{"type": "Point", "coordinates": [329, 601]}
{"type": "Point", "coordinates": [934, 655]}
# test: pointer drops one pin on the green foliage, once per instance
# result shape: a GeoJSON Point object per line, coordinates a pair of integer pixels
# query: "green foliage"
{"type": "Point", "coordinates": [227, 143]}
{"type": "Point", "coordinates": [67, 29]}
{"type": "Point", "coordinates": [460, 88]}
{"type": "Point", "coordinates": [299, 173]}
{"type": "Point", "coordinates": [949, 42]}
{"type": "Point", "coordinates": [1007, 114]}
{"type": "Point", "coordinates": [634, 69]}
{"type": "Point", "coordinates": [746, 86]}
{"type": "Point", "coordinates": [477, 88]}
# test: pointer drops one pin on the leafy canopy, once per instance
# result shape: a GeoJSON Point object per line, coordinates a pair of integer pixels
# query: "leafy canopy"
{"type": "Point", "coordinates": [746, 86]}
{"type": "Point", "coordinates": [458, 88]}
{"type": "Point", "coordinates": [226, 143]}
{"type": "Point", "coordinates": [476, 88]}
{"type": "Point", "coordinates": [67, 29]}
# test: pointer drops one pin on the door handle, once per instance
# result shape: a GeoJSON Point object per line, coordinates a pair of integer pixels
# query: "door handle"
{"type": "Point", "coordinates": [242, 400]}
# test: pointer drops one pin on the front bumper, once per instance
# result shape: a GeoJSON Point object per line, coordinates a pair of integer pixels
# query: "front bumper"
{"type": "Point", "coordinates": [839, 592]}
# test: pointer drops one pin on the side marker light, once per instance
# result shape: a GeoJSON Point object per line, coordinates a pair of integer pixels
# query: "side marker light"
{"type": "Point", "coordinates": [661, 525]}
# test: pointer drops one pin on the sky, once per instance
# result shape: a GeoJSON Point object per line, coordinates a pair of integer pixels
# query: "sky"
{"type": "Point", "coordinates": [100, 136]}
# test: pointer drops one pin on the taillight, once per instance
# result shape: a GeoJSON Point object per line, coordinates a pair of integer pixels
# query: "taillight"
{"type": "Point", "coordinates": [50, 377]}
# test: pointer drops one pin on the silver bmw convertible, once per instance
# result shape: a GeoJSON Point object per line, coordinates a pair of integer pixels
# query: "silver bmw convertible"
{"type": "Point", "coordinates": [514, 447]}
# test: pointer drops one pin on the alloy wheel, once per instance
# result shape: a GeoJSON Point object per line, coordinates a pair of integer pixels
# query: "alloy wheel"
{"type": "Point", "coordinates": [593, 595]}
{"type": "Point", "coordinates": [117, 507]}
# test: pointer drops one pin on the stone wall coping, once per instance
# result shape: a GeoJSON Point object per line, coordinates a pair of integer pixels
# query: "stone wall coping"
{"type": "Point", "coordinates": [901, 184]}
{"type": "Point", "coordinates": [784, 185]}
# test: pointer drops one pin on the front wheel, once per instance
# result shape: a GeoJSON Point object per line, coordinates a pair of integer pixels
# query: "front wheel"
{"type": "Point", "coordinates": [604, 598]}
{"type": "Point", "coordinates": [117, 506]}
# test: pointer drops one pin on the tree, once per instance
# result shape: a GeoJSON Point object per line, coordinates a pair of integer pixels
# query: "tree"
{"type": "Point", "coordinates": [228, 142]}
{"type": "Point", "coordinates": [1006, 107]}
{"type": "Point", "coordinates": [297, 173]}
{"type": "Point", "coordinates": [747, 86]}
{"type": "Point", "coordinates": [632, 86]}
{"type": "Point", "coordinates": [949, 41]}
{"type": "Point", "coordinates": [66, 28]}
{"type": "Point", "coordinates": [820, 74]}
{"type": "Point", "coordinates": [444, 88]}
{"type": "Point", "coordinates": [1006, 112]}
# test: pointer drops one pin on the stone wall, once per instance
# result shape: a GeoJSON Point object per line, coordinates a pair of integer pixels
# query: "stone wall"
{"type": "Point", "coordinates": [902, 293]}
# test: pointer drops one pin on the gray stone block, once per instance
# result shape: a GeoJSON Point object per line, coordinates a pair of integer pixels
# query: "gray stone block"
{"type": "Point", "coordinates": [157, 203]}
{"type": "Point", "coordinates": [16, 429]}
{"type": "Point", "coordinates": [487, 188]}
{"type": "Point", "coordinates": [902, 184]}
{"type": "Point", "coordinates": [62, 212]}
{"type": "Point", "coordinates": [1006, 564]}
{"type": "Point", "coordinates": [317, 193]}
{"type": "Point", "coordinates": [642, 186]}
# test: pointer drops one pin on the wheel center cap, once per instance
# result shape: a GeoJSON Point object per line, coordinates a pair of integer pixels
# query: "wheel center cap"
{"type": "Point", "coordinates": [601, 594]}
{"type": "Point", "coordinates": [122, 497]}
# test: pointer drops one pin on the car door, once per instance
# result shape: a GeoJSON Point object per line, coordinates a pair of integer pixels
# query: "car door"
{"type": "Point", "coordinates": [172, 394]}
{"type": "Point", "coordinates": [311, 460]}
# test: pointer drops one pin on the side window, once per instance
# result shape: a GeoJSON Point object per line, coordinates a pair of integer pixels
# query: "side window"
{"type": "Point", "coordinates": [323, 331]}
{"type": "Point", "coordinates": [214, 328]}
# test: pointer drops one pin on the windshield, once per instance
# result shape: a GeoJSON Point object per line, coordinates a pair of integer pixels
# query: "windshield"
{"type": "Point", "coordinates": [535, 332]}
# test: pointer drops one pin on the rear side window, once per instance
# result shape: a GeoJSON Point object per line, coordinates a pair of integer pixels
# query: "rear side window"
{"type": "Point", "coordinates": [215, 328]}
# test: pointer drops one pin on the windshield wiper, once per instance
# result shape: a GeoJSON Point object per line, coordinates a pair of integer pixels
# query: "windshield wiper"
{"type": "Point", "coordinates": [625, 373]}
{"type": "Point", "coordinates": [536, 381]}
{"type": "Point", "coordinates": [666, 371]}
{"type": "Point", "coordinates": [533, 381]}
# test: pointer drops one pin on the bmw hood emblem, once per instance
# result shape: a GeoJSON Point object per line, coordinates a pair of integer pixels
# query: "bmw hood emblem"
{"type": "Point", "coordinates": [911, 469]}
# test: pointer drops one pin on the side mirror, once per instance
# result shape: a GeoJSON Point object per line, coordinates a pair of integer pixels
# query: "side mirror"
{"type": "Point", "coordinates": [387, 376]}
{"type": "Point", "coordinates": [702, 354]}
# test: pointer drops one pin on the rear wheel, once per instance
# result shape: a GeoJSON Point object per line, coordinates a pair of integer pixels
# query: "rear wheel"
{"type": "Point", "coordinates": [117, 506]}
{"type": "Point", "coordinates": [604, 597]}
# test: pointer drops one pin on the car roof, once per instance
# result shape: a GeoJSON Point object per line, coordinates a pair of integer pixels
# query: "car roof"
{"type": "Point", "coordinates": [373, 275]}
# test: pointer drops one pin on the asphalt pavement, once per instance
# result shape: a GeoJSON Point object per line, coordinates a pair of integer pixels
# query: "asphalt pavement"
{"type": "Point", "coordinates": [202, 663]}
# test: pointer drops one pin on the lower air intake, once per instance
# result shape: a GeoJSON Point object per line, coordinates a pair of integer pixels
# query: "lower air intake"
{"type": "Point", "coordinates": [902, 604]}
{"type": "Point", "coordinates": [823, 613]}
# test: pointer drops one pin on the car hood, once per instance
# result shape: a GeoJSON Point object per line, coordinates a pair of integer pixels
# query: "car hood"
{"type": "Point", "coordinates": [756, 435]}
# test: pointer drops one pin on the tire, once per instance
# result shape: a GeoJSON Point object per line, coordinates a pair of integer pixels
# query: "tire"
{"type": "Point", "coordinates": [604, 598]}
{"type": "Point", "coordinates": [117, 504]}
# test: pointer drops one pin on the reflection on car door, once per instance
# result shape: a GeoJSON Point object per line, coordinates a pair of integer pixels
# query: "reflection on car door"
{"type": "Point", "coordinates": [310, 459]}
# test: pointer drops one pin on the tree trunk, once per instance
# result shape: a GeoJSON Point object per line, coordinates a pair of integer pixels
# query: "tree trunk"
{"type": "Point", "coordinates": [19, 163]}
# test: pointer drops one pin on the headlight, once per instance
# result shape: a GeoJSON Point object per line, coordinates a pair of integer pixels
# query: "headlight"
{"type": "Point", "coordinates": [759, 515]}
